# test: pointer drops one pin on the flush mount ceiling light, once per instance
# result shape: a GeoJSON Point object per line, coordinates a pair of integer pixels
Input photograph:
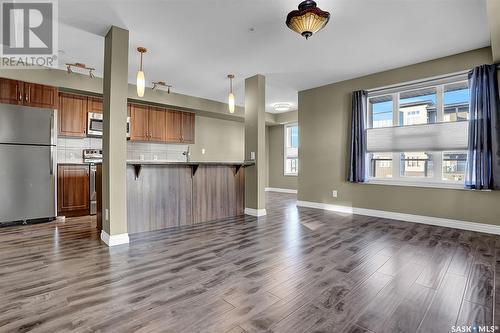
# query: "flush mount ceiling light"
{"type": "Point", "coordinates": [230, 100]}
{"type": "Point", "coordinates": [78, 65]}
{"type": "Point", "coordinates": [159, 84]}
{"type": "Point", "coordinates": [308, 20]}
{"type": "Point", "coordinates": [141, 81]}
{"type": "Point", "coordinates": [282, 107]}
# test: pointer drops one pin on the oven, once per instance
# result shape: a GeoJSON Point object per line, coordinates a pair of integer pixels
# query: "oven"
{"type": "Point", "coordinates": [95, 124]}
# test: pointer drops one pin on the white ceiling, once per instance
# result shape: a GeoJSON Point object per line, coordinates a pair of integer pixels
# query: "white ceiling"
{"type": "Point", "coordinates": [194, 44]}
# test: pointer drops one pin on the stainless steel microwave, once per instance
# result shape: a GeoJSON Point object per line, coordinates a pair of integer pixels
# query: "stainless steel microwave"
{"type": "Point", "coordinates": [94, 124]}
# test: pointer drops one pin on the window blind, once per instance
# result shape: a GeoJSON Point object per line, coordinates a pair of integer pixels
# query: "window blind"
{"type": "Point", "coordinates": [425, 137]}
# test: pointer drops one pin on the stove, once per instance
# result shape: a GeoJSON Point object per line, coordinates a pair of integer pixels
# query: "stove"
{"type": "Point", "coordinates": [92, 156]}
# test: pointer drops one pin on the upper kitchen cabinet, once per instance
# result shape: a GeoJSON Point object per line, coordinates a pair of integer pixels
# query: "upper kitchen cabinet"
{"type": "Point", "coordinates": [139, 122]}
{"type": "Point", "coordinates": [29, 94]}
{"type": "Point", "coordinates": [72, 115]}
{"type": "Point", "coordinates": [39, 95]}
{"type": "Point", "coordinates": [180, 127]}
{"type": "Point", "coordinates": [11, 91]}
{"type": "Point", "coordinates": [157, 123]}
{"type": "Point", "coordinates": [95, 104]}
{"type": "Point", "coordinates": [173, 126]}
{"type": "Point", "coordinates": [187, 131]}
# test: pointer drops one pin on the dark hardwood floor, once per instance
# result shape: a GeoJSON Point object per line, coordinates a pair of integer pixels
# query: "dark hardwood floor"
{"type": "Point", "coordinates": [296, 270]}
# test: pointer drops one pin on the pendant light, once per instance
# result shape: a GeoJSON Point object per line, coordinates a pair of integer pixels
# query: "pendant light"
{"type": "Point", "coordinates": [308, 20]}
{"type": "Point", "coordinates": [141, 81]}
{"type": "Point", "coordinates": [230, 101]}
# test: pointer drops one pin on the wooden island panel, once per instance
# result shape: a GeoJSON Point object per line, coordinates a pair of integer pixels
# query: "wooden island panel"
{"type": "Point", "coordinates": [217, 193]}
{"type": "Point", "coordinates": [166, 196]}
{"type": "Point", "coordinates": [159, 198]}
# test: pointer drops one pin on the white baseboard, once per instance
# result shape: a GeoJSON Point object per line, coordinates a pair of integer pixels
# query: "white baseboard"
{"type": "Point", "coordinates": [114, 240]}
{"type": "Point", "coordinates": [255, 212]}
{"type": "Point", "coordinates": [281, 190]}
{"type": "Point", "coordinates": [438, 221]}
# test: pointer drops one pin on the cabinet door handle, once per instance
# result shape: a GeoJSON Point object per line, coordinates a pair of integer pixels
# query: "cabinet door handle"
{"type": "Point", "coordinates": [27, 95]}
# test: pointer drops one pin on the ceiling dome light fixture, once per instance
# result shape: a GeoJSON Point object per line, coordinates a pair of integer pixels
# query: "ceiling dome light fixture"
{"type": "Point", "coordinates": [141, 81]}
{"type": "Point", "coordinates": [230, 100]}
{"type": "Point", "coordinates": [282, 107]}
{"type": "Point", "coordinates": [308, 20]}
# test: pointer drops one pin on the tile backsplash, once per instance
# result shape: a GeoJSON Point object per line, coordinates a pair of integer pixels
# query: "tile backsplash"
{"type": "Point", "coordinates": [155, 151]}
{"type": "Point", "coordinates": [69, 150]}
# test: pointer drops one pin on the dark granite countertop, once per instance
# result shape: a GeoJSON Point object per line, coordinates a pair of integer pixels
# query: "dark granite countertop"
{"type": "Point", "coordinates": [139, 162]}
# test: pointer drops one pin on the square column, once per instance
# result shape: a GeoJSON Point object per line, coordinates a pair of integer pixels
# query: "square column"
{"type": "Point", "coordinates": [114, 139]}
{"type": "Point", "coordinates": [255, 145]}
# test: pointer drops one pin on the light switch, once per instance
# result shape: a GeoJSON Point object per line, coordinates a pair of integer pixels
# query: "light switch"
{"type": "Point", "coordinates": [252, 155]}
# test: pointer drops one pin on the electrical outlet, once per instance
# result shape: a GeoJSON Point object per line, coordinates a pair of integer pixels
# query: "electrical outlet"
{"type": "Point", "coordinates": [203, 151]}
{"type": "Point", "coordinates": [252, 155]}
{"type": "Point", "coordinates": [155, 157]}
{"type": "Point", "coordinates": [335, 193]}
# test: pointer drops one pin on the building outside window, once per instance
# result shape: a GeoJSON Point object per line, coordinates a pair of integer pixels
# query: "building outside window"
{"type": "Point", "coordinates": [291, 156]}
{"type": "Point", "coordinates": [414, 132]}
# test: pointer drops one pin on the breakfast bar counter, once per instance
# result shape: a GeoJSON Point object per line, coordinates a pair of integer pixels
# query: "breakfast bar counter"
{"type": "Point", "coordinates": [163, 195]}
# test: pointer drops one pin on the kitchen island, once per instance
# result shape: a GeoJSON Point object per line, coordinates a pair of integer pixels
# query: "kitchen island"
{"type": "Point", "coordinates": [163, 195]}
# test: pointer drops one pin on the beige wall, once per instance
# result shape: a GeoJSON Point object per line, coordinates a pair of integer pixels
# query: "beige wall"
{"type": "Point", "coordinates": [277, 178]}
{"type": "Point", "coordinates": [324, 121]}
{"type": "Point", "coordinates": [223, 140]}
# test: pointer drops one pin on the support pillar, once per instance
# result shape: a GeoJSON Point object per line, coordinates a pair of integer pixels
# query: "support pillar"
{"type": "Point", "coordinates": [114, 139]}
{"type": "Point", "coordinates": [255, 145]}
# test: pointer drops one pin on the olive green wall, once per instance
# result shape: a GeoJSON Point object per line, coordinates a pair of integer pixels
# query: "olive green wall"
{"type": "Point", "coordinates": [223, 140]}
{"type": "Point", "coordinates": [324, 121]}
{"type": "Point", "coordinates": [277, 179]}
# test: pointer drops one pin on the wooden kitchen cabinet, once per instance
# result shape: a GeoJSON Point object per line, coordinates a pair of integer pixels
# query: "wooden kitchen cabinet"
{"type": "Point", "coordinates": [157, 123]}
{"type": "Point", "coordinates": [73, 190]}
{"type": "Point", "coordinates": [187, 128]}
{"type": "Point", "coordinates": [139, 122]}
{"type": "Point", "coordinates": [28, 94]}
{"type": "Point", "coordinates": [39, 95]}
{"type": "Point", "coordinates": [11, 91]}
{"type": "Point", "coordinates": [72, 116]}
{"type": "Point", "coordinates": [180, 127]}
{"type": "Point", "coordinates": [94, 104]}
{"type": "Point", "coordinates": [173, 126]}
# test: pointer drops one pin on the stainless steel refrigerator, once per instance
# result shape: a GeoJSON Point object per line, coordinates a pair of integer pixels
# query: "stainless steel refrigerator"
{"type": "Point", "coordinates": [27, 164]}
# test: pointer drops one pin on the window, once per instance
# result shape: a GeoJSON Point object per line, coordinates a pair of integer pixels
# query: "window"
{"type": "Point", "coordinates": [291, 159]}
{"type": "Point", "coordinates": [380, 109]}
{"type": "Point", "coordinates": [418, 135]}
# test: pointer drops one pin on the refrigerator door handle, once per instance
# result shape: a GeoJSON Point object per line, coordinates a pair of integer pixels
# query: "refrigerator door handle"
{"type": "Point", "coordinates": [51, 129]}
{"type": "Point", "coordinates": [51, 160]}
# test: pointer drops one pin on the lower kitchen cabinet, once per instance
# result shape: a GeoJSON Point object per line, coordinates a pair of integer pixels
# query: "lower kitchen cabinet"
{"type": "Point", "coordinates": [73, 190]}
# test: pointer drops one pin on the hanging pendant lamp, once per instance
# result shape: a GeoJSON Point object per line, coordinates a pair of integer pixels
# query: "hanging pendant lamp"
{"type": "Point", "coordinates": [230, 100]}
{"type": "Point", "coordinates": [141, 80]}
